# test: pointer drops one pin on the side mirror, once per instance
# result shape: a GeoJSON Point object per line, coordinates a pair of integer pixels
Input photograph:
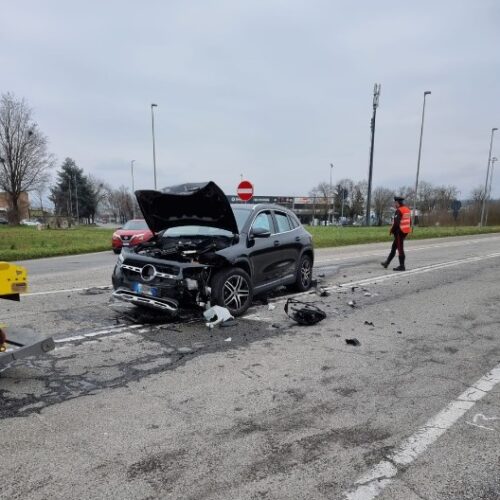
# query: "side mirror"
{"type": "Point", "coordinates": [260, 232]}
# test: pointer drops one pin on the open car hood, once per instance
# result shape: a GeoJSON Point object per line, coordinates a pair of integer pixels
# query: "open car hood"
{"type": "Point", "coordinates": [193, 204]}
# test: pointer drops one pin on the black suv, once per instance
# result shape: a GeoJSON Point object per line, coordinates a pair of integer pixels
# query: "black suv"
{"type": "Point", "coordinates": [206, 251]}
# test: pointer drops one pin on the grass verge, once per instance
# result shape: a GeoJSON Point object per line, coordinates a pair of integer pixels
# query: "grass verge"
{"type": "Point", "coordinates": [23, 243]}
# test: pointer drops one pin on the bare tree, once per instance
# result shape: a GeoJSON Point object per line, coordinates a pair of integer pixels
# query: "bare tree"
{"type": "Point", "coordinates": [25, 161]}
{"type": "Point", "coordinates": [120, 203]}
{"type": "Point", "coordinates": [323, 196]}
{"type": "Point", "coordinates": [382, 198]}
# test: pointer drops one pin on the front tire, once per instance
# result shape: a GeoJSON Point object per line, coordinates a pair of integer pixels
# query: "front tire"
{"type": "Point", "coordinates": [232, 289]}
{"type": "Point", "coordinates": [303, 279]}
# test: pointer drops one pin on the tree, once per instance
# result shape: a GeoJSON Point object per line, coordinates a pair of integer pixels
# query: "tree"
{"type": "Point", "coordinates": [120, 203]}
{"type": "Point", "coordinates": [382, 198]}
{"type": "Point", "coordinates": [358, 200]}
{"type": "Point", "coordinates": [25, 160]}
{"type": "Point", "coordinates": [322, 195]}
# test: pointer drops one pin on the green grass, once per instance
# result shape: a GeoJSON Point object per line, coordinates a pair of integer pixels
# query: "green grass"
{"type": "Point", "coordinates": [20, 243]}
{"type": "Point", "coordinates": [332, 236]}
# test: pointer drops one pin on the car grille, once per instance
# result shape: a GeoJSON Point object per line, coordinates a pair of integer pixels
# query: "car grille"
{"type": "Point", "coordinates": [165, 274]}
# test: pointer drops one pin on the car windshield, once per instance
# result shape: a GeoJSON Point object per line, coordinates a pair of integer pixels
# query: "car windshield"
{"type": "Point", "coordinates": [241, 215]}
{"type": "Point", "coordinates": [134, 225]}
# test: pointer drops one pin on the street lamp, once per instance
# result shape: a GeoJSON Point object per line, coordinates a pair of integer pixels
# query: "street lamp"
{"type": "Point", "coordinates": [376, 95]}
{"type": "Point", "coordinates": [331, 191]}
{"type": "Point", "coordinates": [133, 189]}
{"type": "Point", "coordinates": [487, 177]}
{"type": "Point", "coordinates": [426, 93]}
{"type": "Point", "coordinates": [493, 160]}
{"type": "Point", "coordinates": [76, 198]}
{"type": "Point", "coordinates": [153, 131]}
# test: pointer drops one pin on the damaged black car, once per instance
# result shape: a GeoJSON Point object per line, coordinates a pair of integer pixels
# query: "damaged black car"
{"type": "Point", "coordinates": [207, 252]}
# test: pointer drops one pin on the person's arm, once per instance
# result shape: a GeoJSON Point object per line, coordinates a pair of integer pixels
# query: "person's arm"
{"type": "Point", "coordinates": [396, 221]}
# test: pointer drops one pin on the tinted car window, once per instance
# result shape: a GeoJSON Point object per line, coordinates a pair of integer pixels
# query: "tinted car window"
{"type": "Point", "coordinates": [262, 221]}
{"type": "Point", "coordinates": [135, 224]}
{"type": "Point", "coordinates": [282, 221]}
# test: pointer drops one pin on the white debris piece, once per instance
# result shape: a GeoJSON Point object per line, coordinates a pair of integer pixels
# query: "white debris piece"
{"type": "Point", "coordinates": [271, 307]}
{"type": "Point", "coordinates": [216, 315]}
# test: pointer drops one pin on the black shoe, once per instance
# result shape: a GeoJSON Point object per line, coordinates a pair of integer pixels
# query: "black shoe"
{"type": "Point", "coordinates": [399, 268]}
{"type": "Point", "coordinates": [384, 264]}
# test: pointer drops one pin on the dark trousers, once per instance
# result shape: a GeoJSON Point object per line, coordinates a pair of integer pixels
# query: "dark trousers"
{"type": "Point", "coordinates": [398, 244]}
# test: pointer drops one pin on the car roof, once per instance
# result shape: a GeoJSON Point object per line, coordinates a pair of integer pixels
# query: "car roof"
{"type": "Point", "coordinates": [258, 206]}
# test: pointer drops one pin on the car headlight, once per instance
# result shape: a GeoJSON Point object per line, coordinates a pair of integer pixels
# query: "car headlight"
{"type": "Point", "coordinates": [116, 237]}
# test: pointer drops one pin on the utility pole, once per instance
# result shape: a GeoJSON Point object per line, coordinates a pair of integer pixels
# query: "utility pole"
{"type": "Point", "coordinates": [133, 188]}
{"type": "Point", "coordinates": [414, 211]}
{"type": "Point", "coordinates": [153, 131]}
{"type": "Point", "coordinates": [70, 209]}
{"type": "Point", "coordinates": [76, 198]}
{"type": "Point", "coordinates": [487, 177]}
{"type": "Point", "coordinates": [331, 191]}
{"type": "Point", "coordinates": [493, 160]}
{"type": "Point", "coordinates": [376, 94]}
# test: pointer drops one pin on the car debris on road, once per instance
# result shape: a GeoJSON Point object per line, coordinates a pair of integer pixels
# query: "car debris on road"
{"type": "Point", "coordinates": [304, 313]}
{"type": "Point", "coordinates": [216, 315]}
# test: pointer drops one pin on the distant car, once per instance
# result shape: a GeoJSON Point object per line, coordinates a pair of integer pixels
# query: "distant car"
{"type": "Point", "coordinates": [208, 251]}
{"type": "Point", "coordinates": [3, 221]}
{"type": "Point", "coordinates": [134, 231]}
{"type": "Point", "coordinates": [26, 222]}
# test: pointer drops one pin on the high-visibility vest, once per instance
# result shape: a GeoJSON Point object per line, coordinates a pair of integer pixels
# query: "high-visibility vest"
{"type": "Point", "coordinates": [405, 223]}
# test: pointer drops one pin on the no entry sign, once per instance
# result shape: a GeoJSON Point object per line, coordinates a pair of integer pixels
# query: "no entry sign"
{"type": "Point", "coordinates": [245, 190]}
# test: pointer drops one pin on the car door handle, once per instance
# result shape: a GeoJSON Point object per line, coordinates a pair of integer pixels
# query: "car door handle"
{"type": "Point", "coordinates": [276, 243]}
{"type": "Point", "coordinates": [297, 238]}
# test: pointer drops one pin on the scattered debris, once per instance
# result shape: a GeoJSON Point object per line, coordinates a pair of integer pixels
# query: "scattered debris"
{"type": "Point", "coordinates": [353, 288]}
{"type": "Point", "coordinates": [352, 303]}
{"type": "Point", "coordinates": [354, 342]}
{"type": "Point", "coordinates": [216, 315]}
{"type": "Point", "coordinates": [367, 294]}
{"type": "Point", "coordinates": [228, 339]}
{"type": "Point", "coordinates": [323, 292]}
{"type": "Point", "coordinates": [399, 331]}
{"type": "Point", "coordinates": [304, 313]}
{"type": "Point", "coordinates": [369, 323]}
{"type": "Point", "coordinates": [270, 307]}
{"type": "Point", "coordinates": [321, 275]}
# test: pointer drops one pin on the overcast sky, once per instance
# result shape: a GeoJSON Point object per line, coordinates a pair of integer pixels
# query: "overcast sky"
{"type": "Point", "coordinates": [273, 90]}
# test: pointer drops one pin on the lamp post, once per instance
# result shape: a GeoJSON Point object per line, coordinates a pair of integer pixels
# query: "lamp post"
{"type": "Point", "coordinates": [426, 93]}
{"type": "Point", "coordinates": [76, 199]}
{"type": "Point", "coordinates": [487, 176]}
{"type": "Point", "coordinates": [153, 131]}
{"type": "Point", "coordinates": [133, 189]}
{"type": "Point", "coordinates": [493, 160]}
{"type": "Point", "coordinates": [331, 191]}
{"type": "Point", "coordinates": [376, 94]}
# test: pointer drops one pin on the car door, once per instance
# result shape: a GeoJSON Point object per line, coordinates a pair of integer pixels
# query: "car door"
{"type": "Point", "coordinates": [264, 252]}
{"type": "Point", "coordinates": [289, 243]}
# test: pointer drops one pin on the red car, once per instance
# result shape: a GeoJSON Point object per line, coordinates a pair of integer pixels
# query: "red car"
{"type": "Point", "coordinates": [134, 231]}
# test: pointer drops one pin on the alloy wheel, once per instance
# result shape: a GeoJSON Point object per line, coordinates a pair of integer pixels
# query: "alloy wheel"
{"type": "Point", "coordinates": [236, 292]}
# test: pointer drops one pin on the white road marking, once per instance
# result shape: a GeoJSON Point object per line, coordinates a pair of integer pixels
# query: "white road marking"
{"type": "Point", "coordinates": [381, 475]}
{"type": "Point", "coordinates": [378, 253]}
{"type": "Point", "coordinates": [113, 330]}
{"type": "Point", "coordinates": [68, 290]}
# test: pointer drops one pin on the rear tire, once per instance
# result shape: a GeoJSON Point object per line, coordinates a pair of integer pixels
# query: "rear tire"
{"type": "Point", "coordinates": [303, 279]}
{"type": "Point", "coordinates": [232, 289]}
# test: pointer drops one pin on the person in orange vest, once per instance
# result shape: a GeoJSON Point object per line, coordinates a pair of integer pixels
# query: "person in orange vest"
{"type": "Point", "coordinates": [401, 227]}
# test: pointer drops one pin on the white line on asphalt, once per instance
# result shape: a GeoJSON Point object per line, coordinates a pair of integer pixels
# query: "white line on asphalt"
{"type": "Point", "coordinates": [68, 290]}
{"type": "Point", "coordinates": [114, 330]}
{"type": "Point", "coordinates": [378, 253]}
{"type": "Point", "coordinates": [381, 475]}
{"type": "Point", "coordinates": [419, 270]}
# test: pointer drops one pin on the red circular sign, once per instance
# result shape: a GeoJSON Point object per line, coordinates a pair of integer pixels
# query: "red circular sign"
{"type": "Point", "coordinates": [245, 190]}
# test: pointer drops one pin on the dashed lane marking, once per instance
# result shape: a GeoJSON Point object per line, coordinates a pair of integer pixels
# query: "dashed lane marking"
{"type": "Point", "coordinates": [111, 330]}
{"type": "Point", "coordinates": [371, 484]}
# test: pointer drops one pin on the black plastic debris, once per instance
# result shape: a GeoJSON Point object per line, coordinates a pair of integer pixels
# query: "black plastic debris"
{"type": "Point", "coordinates": [353, 288]}
{"type": "Point", "coordinates": [352, 303]}
{"type": "Point", "coordinates": [323, 292]}
{"type": "Point", "coordinates": [354, 342]}
{"type": "Point", "coordinates": [369, 323]}
{"type": "Point", "coordinates": [399, 331]}
{"type": "Point", "coordinates": [321, 275]}
{"type": "Point", "coordinates": [304, 313]}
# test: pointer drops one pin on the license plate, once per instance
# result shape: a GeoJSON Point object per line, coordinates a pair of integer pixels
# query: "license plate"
{"type": "Point", "coordinates": [145, 289]}
{"type": "Point", "coordinates": [125, 243]}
